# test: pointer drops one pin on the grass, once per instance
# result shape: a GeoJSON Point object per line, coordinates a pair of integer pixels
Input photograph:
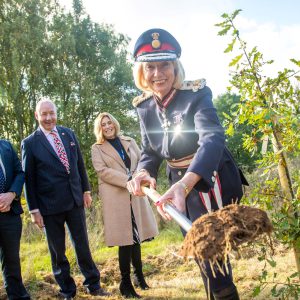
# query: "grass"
{"type": "Point", "coordinates": [168, 276]}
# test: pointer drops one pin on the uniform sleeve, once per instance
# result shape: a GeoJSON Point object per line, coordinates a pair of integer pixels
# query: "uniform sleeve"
{"type": "Point", "coordinates": [211, 140]}
{"type": "Point", "coordinates": [149, 161]}
{"type": "Point", "coordinates": [106, 173]}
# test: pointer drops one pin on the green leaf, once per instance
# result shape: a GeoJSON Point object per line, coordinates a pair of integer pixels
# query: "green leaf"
{"type": "Point", "coordinates": [222, 24]}
{"type": "Point", "coordinates": [235, 60]}
{"type": "Point", "coordinates": [296, 62]}
{"type": "Point", "coordinates": [256, 291]}
{"type": "Point", "coordinates": [230, 46]}
{"type": "Point", "coordinates": [225, 16]}
{"type": "Point", "coordinates": [272, 263]}
{"type": "Point", "coordinates": [235, 13]}
{"type": "Point", "coordinates": [224, 31]}
{"type": "Point", "coordinates": [230, 130]}
{"type": "Point", "coordinates": [294, 275]}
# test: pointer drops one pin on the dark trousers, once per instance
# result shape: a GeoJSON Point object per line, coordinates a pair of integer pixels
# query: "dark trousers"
{"type": "Point", "coordinates": [55, 231]}
{"type": "Point", "coordinates": [194, 209]}
{"type": "Point", "coordinates": [217, 281]}
{"type": "Point", "coordinates": [10, 235]}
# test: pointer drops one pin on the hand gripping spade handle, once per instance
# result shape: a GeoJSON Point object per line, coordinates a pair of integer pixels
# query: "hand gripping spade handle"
{"type": "Point", "coordinates": [176, 215]}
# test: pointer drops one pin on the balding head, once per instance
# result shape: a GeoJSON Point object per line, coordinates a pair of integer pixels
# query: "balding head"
{"type": "Point", "coordinates": [45, 114]}
{"type": "Point", "coordinates": [38, 105]}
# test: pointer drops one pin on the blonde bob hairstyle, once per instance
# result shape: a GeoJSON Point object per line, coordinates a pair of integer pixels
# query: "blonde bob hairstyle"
{"type": "Point", "coordinates": [141, 83]}
{"type": "Point", "coordinates": [98, 128]}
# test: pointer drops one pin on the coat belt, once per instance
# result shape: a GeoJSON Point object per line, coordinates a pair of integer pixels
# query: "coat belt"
{"type": "Point", "coordinates": [181, 163]}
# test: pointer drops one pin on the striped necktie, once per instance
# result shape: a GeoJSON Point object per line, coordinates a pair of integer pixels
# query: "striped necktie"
{"type": "Point", "coordinates": [60, 151]}
{"type": "Point", "coordinates": [2, 181]}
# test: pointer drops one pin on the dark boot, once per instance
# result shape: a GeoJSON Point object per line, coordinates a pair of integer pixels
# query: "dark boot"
{"type": "Point", "coordinates": [126, 287]}
{"type": "Point", "coordinates": [138, 276]}
{"type": "Point", "coordinates": [229, 293]}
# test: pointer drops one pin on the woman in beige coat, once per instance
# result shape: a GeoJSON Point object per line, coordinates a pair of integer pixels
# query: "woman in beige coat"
{"type": "Point", "coordinates": [128, 220]}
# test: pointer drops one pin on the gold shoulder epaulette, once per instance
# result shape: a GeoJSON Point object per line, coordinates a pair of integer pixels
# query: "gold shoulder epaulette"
{"type": "Point", "coordinates": [141, 98]}
{"type": "Point", "coordinates": [194, 85]}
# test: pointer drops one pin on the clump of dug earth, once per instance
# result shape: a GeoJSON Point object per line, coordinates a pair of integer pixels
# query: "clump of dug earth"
{"type": "Point", "coordinates": [214, 235]}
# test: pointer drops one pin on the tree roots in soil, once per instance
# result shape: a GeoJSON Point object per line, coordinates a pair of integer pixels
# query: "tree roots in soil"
{"type": "Point", "coordinates": [213, 236]}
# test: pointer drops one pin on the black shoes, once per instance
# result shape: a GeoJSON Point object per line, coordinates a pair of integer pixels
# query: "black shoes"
{"type": "Point", "coordinates": [139, 281]}
{"type": "Point", "coordinates": [127, 290]}
{"type": "Point", "coordinates": [229, 293]}
{"type": "Point", "coordinates": [99, 292]}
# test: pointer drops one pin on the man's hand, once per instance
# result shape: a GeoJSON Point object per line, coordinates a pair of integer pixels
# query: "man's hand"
{"type": "Point", "coordinates": [87, 200]}
{"type": "Point", "coordinates": [37, 219]}
{"type": "Point", "coordinates": [5, 201]}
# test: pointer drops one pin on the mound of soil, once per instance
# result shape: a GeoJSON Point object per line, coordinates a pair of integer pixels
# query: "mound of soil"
{"type": "Point", "coordinates": [214, 235]}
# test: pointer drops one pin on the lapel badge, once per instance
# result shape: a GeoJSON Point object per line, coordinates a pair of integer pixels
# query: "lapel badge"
{"type": "Point", "coordinates": [72, 144]}
{"type": "Point", "coordinates": [178, 119]}
{"type": "Point", "coordinates": [156, 42]}
{"type": "Point", "coordinates": [62, 133]}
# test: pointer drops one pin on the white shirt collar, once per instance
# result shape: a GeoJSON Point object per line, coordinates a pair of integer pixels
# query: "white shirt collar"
{"type": "Point", "coordinates": [47, 132]}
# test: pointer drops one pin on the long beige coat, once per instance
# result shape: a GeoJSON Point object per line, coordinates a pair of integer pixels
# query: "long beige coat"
{"type": "Point", "coordinates": [112, 179]}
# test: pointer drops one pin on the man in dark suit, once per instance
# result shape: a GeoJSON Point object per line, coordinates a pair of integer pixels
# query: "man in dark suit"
{"type": "Point", "coordinates": [11, 184]}
{"type": "Point", "coordinates": [57, 191]}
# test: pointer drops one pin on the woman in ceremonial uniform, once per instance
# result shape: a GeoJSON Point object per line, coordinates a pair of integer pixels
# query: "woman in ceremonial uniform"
{"type": "Point", "coordinates": [179, 124]}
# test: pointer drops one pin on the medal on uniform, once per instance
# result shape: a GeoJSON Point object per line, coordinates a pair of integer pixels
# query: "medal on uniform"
{"type": "Point", "coordinates": [178, 120]}
{"type": "Point", "coordinates": [166, 124]}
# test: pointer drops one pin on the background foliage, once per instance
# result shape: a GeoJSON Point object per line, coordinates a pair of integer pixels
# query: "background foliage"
{"type": "Point", "coordinates": [81, 65]}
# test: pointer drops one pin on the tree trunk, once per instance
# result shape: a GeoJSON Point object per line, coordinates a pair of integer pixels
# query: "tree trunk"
{"type": "Point", "coordinates": [286, 185]}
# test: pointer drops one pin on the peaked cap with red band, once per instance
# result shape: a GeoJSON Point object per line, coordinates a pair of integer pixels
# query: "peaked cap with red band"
{"type": "Point", "coordinates": [156, 45]}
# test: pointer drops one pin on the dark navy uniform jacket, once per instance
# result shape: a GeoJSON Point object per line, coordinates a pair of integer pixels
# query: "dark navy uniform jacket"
{"type": "Point", "coordinates": [192, 126]}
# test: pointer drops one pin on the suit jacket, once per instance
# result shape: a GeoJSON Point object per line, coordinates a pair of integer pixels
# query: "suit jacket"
{"type": "Point", "coordinates": [14, 174]}
{"type": "Point", "coordinates": [48, 186]}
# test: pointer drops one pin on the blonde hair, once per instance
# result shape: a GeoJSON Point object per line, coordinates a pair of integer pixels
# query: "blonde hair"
{"type": "Point", "coordinates": [140, 81]}
{"type": "Point", "coordinates": [98, 128]}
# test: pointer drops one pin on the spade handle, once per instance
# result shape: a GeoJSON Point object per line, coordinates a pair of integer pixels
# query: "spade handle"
{"type": "Point", "coordinates": [176, 215]}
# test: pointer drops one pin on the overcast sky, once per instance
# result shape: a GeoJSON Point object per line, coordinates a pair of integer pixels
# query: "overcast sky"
{"type": "Point", "coordinates": [271, 25]}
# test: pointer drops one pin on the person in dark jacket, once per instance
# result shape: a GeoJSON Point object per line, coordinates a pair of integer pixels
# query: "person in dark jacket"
{"type": "Point", "coordinates": [11, 185]}
{"type": "Point", "coordinates": [179, 124]}
{"type": "Point", "coordinates": [57, 191]}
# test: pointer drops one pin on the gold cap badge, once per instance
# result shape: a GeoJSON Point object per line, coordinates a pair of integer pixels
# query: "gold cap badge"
{"type": "Point", "coordinates": [156, 42]}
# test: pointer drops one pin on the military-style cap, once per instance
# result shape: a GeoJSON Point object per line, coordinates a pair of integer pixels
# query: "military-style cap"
{"type": "Point", "coordinates": [156, 45]}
